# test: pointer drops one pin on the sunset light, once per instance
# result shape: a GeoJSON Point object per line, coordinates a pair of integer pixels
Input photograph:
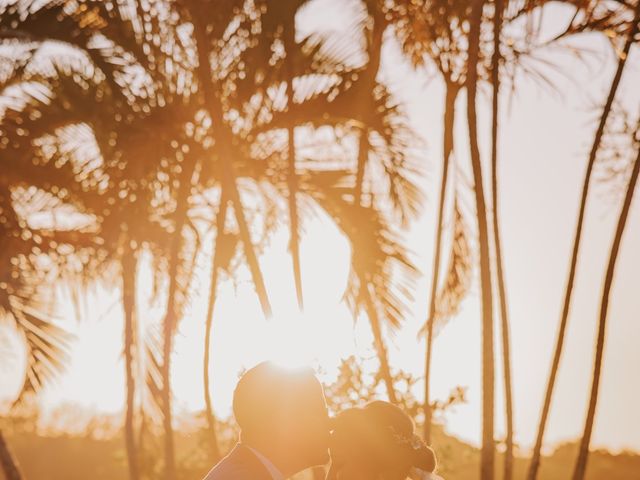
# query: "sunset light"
{"type": "Point", "coordinates": [432, 204]}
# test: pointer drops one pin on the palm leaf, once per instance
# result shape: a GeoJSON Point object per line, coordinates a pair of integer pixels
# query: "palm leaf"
{"type": "Point", "coordinates": [459, 276]}
{"type": "Point", "coordinates": [379, 260]}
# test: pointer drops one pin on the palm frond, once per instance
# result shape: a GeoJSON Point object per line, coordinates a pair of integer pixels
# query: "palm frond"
{"type": "Point", "coordinates": [459, 276]}
{"type": "Point", "coordinates": [152, 361]}
{"type": "Point", "coordinates": [379, 260]}
{"type": "Point", "coordinates": [46, 344]}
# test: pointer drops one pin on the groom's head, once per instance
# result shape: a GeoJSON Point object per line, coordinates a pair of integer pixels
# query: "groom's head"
{"type": "Point", "coordinates": [283, 411]}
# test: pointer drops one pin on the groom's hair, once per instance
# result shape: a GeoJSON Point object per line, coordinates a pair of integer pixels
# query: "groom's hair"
{"type": "Point", "coordinates": [265, 390]}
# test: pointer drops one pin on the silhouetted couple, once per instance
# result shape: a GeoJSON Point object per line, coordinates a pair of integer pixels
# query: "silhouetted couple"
{"type": "Point", "coordinates": [285, 428]}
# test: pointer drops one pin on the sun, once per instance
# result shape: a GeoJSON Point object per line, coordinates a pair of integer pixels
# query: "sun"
{"type": "Point", "coordinates": [292, 340]}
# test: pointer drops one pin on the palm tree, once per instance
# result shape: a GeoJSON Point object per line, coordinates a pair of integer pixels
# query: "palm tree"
{"type": "Point", "coordinates": [228, 190]}
{"type": "Point", "coordinates": [583, 453]}
{"type": "Point", "coordinates": [324, 101]}
{"type": "Point", "coordinates": [432, 30]}
{"type": "Point", "coordinates": [365, 292]}
{"type": "Point", "coordinates": [360, 96]}
{"type": "Point", "coordinates": [172, 314]}
{"type": "Point", "coordinates": [170, 169]}
{"type": "Point", "coordinates": [488, 449]}
{"type": "Point", "coordinates": [128, 181]}
{"type": "Point", "coordinates": [218, 254]}
{"type": "Point", "coordinates": [506, 355]}
{"type": "Point", "coordinates": [451, 93]}
{"type": "Point", "coordinates": [30, 257]}
{"type": "Point", "coordinates": [392, 128]}
{"type": "Point", "coordinates": [149, 235]}
{"type": "Point", "coordinates": [25, 254]}
{"type": "Point", "coordinates": [374, 47]}
{"type": "Point", "coordinates": [535, 458]}
{"type": "Point", "coordinates": [376, 253]}
{"type": "Point", "coordinates": [289, 35]}
{"type": "Point", "coordinates": [129, 267]}
{"type": "Point", "coordinates": [205, 22]}
{"type": "Point", "coordinates": [449, 118]}
{"type": "Point", "coordinates": [436, 32]}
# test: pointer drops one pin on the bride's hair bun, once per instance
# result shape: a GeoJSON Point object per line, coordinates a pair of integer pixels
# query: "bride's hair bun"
{"type": "Point", "coordinates": [424, 458]}
{"type": "Point", "coordinates": [379, 436]}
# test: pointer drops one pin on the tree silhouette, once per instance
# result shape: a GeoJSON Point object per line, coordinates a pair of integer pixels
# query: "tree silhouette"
{"type": "Point", "coordinates": [535, 459]}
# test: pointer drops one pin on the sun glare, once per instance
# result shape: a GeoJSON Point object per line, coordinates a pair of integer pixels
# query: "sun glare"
{"type": "Point", "coordinates": [291, 341]}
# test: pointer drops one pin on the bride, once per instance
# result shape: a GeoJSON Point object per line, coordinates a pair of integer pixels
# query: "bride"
{"type": "Point", "coordinates": [377, 442]}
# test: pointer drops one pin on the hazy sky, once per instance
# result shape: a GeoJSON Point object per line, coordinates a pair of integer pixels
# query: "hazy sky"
{"type": "Point", "coordinates": [544, 141]}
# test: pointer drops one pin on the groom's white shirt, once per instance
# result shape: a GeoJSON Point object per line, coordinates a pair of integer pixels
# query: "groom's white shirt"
{"type": "Point", "coordinates": [273, 470]}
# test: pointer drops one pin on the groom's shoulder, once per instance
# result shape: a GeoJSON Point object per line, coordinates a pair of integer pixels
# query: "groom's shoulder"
{"type": "Point", "coordinates": [240, 464]}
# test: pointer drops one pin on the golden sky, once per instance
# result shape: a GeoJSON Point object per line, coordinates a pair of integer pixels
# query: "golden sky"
{"type": "Point", "coordinates": [544, 143]}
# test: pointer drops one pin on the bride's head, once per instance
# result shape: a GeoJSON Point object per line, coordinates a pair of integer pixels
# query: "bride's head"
{"type": "Point", "coordinates": [377, 442]}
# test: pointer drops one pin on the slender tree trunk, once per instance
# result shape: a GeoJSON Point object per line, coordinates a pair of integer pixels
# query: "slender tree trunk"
{"type": "Point", "coordinates": [211, 419]}
{"type": "Point", "coordinates": [535, 458]}
{"type": "Point", "coordinates": [171, 316]}
{"type": "Point", "coordinates": [449, 119]}
{"type": "Point", "coordinates": [290, 43]}
{"type": "Point", "coordinates": [363, 149]}
{"type": "Point", "coordinates": [8, 463]}
{"type": "Point", "coordinates": [169, 447]}
{"type": "Point", "coordinates": [129, 265]}
{"type": "Point", "coordinates": [224, 140]}
{"type": "Point", "coordinates": [374, 48]}
{"type": "Point", "coordinates": [488, 449]}
{"type": "Point", "coordinates": [245, 235]}
{"type": "Point", "coordinates": [142, 432]}
{"type": "Point", "coordinates": [374, 321]}
{"type": "Point", "coordinates": [581, 463]}
{"type": "Point", "coordinates": [504, 313]}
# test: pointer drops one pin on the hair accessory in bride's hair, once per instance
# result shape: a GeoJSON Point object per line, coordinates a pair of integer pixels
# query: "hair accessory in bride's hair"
{"type": "Point", "coordinates": [422, 457]}
{"type": "Point", "coordinates": [413, 441]}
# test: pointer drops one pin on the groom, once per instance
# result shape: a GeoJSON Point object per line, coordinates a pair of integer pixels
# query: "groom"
{"type": "Point", "coordinates": [284, 425]}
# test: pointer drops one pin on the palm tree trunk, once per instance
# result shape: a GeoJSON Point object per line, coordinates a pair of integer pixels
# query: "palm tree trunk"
{"type": "Point", "coordinates": [504, 313]}
{"type": "Point", "coordinates": [171, 316]}
{"type": "Point", "coordinates": [290, 43]}
{"type": "Point", "coordinates": [245, 235]}
{"type": "Point", "coordinates": [372, 313]}
{"type": "Point", "coordinates": [211, 420]}
{"type": "Point", "coordinates": [8, 463]}
{"type": "Point", "coordinates": [129, 265]}
{"type": "Point", "coordinates": [488, 450]}
{"type": "Point", "coordinates": [449, 119]}
{"type": "Point", "coordinates": [581, 463]}
{"type": "Point", "coordinates": [363, 148]}
{"type": "Point", "coordinates": [374, 48]}
{"type": "Point", "coordinates": [535, 458]}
